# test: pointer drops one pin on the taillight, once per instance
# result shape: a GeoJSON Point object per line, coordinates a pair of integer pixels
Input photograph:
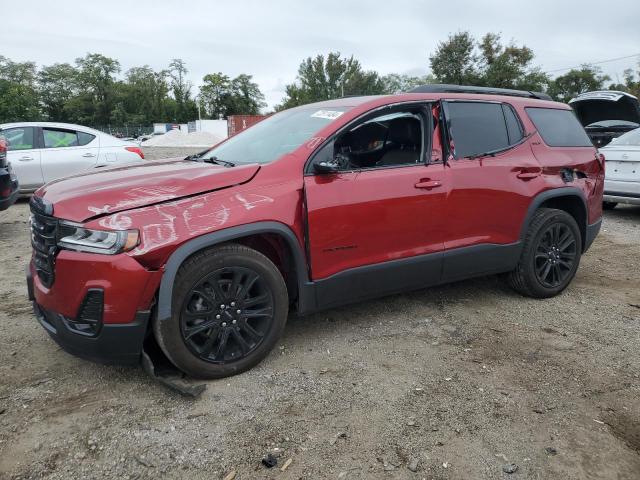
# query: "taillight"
{"type": "Point", "coordinates": [3, 152]}
{"type": "Point", "coordinates": [137, 150]}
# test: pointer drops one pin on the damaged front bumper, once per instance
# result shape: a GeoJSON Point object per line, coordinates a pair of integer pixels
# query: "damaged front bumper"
{"type": "Point", "coordinates": [89, 337]}
{"type": "Point", "coordinates": [115, 344]}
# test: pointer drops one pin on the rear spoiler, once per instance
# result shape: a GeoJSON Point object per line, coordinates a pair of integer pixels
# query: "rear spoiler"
{"type": "Point", "coordinates": [608, 95]}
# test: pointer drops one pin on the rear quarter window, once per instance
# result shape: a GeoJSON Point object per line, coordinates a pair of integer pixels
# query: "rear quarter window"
{"type": "Point", "coordinates": [85, 138]}
{"type": "Point", "coordinates": [514, 127]}
{"type": "Point", "coordinates": [558, 127]}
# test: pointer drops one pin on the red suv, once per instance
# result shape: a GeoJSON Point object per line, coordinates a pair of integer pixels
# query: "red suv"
{"type": "Point", "coordinates": [314, 207]}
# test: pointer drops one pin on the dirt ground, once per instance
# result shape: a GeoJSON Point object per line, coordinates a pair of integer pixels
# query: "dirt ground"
{"type": "Point", "coordinates": [456, 382]}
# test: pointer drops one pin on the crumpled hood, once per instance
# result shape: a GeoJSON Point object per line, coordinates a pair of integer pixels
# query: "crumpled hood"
{"type": "Point", "coordinates": [82, 197]}
{"type": "Point", "coordinates": [592, 107]}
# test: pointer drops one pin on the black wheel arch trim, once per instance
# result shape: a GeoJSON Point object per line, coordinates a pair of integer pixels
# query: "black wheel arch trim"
{"type": "Point", "coordinates": [165, 293]}
{"type": "Point", "coordinates": [557, 193]}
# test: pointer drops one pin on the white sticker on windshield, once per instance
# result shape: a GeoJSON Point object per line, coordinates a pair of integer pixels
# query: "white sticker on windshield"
{"type": "Point", "coordinates": [328, 114]}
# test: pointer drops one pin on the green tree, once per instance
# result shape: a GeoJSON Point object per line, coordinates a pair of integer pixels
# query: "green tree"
{"type": "Point", "coordinates": [96, 79]}
{"type": "Point", "coordinates": [462, 60]}
{"type": "Point", "coordinates": [246, 97]}
{"type": "Point", "coordinates": [185, 106]}
{"type": "Point", "coordinates": [454, 60]}
{"type": "Point", "coordinates": [18, 91]}
{"type": "Point", "coordinates": [508, 66]}
{"type": "Point", "coordinates": [214, 94]}
{"type": "Point", "coordinates": [577, 81]}
{"type": "Point", "coordinates": [323, 78]}
{"type": "Point", "coordinates": [143, 95]}
{"type": "Point", "coordinates": [397, 83]}
{"type": "Point", "coordinates": [631, 82]}
{"type": "Point", "coordinates": [58, 83]}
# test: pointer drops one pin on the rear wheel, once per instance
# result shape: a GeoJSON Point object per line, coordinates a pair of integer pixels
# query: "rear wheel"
{"type": "Point", "coordinates": [230, 307]}
{"type": "Point", "coordinates": [609, 205]}
{"type": "Point", "coordinates": [550, 255]}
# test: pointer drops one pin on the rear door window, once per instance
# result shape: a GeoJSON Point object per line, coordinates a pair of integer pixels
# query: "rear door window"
{"type": "Point", "coordinates": [558, 127]}
{"type": "Point", "coordinates": [54, 138]}
{"type": "Point", "coordinates": [476, 128]}
{"type": "Point", "coordinates": [21, 138]}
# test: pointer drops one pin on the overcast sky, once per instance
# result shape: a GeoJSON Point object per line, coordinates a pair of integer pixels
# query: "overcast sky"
{"type": "Point", "coordinates": [268, 39]}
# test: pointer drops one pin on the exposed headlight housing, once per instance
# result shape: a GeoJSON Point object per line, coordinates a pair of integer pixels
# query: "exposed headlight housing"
{"type": "Point", "coordinates": [107, 242]}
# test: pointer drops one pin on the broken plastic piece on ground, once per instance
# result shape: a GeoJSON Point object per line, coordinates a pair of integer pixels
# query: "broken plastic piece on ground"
{"type": "Point", "coordinates": [286, 464]}
{"type": "Point", "coordinates": [269, 461]}
{"type": "Point", "coordinates": [167, 374]}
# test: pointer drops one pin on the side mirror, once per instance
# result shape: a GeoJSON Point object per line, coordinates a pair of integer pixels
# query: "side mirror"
{"type": "Point", "coordinates": [326, 167]}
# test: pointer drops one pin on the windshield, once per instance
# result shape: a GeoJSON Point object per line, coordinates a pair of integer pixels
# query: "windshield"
{"type": "Point", "coordinates": [631, 138]}
{"type": "Point", "coordinates": [275, 136]}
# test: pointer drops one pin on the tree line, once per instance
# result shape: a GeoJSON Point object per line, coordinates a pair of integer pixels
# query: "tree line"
{"type": "Point", "coordinates": [93, 90]}
{"type": "Point", "coordinates": [90, 92]}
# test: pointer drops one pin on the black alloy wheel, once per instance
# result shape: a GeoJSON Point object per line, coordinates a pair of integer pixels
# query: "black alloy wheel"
{"type": "Point", "coordinates": [229, 308]}
{"type": "Point", "coordinates": [550, 256]}
{"type": "Point", "coordinates": [555, 255]}
{"type": "Point", "coordinates": [227, 314]}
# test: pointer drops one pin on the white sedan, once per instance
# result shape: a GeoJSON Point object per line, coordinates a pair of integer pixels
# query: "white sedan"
{"type": "Point", "coordinates": [40, 152]}
{"type": "Point", "coordinates": [622, 175]}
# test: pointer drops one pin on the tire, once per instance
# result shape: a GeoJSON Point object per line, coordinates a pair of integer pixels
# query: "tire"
{"type": "Point", "coordinates": [609, 205]}
{"type": "Point", "coordinates": [550, 255]}
{"type": "Point", "coordinates": [205, 311]}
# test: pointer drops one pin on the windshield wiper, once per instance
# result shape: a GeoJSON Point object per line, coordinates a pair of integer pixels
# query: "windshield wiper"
{"type": "Point", "coordinates": [219, 161]}
{"type": "Point", "coordinates": [197, 157]}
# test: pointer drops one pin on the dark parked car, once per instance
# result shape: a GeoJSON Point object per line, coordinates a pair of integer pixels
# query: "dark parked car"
{"type": "Point", "coordinates": [606, 114]}
{"type": "Point", "coordinates": [8, 181]}
{"type": "Point", "coordinates": [313, 207]}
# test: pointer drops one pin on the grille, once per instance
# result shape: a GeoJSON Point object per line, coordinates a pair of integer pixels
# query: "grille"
{"type": "Point", "coordinates": [43, 240]}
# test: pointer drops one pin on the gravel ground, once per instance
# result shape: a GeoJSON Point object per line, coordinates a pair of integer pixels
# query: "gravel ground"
{"type": "Point", "coordinates": [156, 153]}
{"type": "Point", "coordinates": [456, 382]}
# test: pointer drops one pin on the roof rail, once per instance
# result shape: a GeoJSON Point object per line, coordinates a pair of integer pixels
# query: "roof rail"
{"type": "Point", "coordinates": [446, 88]}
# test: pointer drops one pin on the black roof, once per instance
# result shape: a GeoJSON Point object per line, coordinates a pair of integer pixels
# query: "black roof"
{"type": "Point", "coordinates": [446, 88]}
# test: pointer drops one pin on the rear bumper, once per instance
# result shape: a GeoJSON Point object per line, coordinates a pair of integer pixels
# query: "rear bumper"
{"type": "Point", "coordinates": [114, 344]}
{"type": "Point", "coordinates": [622, 197]}
{"type": "Point", "coordinates": [8, 181]}
{"type": "Point", "coordinates": [620, 191]}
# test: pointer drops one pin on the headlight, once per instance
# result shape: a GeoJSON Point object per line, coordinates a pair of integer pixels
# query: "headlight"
{"type": "Point", "coordinates": [108, 242]}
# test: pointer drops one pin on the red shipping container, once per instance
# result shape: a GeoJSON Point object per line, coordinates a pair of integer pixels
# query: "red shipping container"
{"type": "Point", "coordinates": [237, 123]}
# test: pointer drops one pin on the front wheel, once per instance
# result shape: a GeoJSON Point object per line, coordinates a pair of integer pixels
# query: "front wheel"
{"type": "Point", "coordinates": [550, 255]}
{"type": "Point", "coordinates": [609, 205]}
{"type": "Point", "coordinates": [229, 308]}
